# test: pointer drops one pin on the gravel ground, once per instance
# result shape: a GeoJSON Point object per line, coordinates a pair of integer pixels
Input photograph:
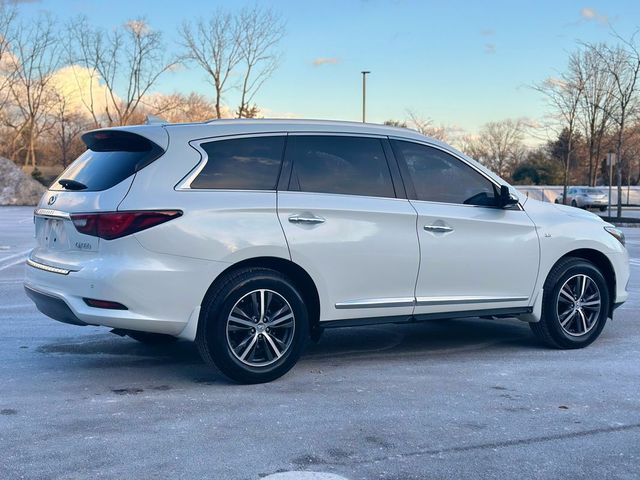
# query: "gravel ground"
{"type": "Point", "coordinates": [457, 399]}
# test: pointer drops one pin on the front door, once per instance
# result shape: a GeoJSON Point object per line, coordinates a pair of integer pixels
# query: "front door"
{"type": "Point", "coordinates": [474, 255]}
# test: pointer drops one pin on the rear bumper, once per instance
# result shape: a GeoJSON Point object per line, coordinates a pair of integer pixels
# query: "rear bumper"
{"type": "Point", "coordinates": [161, 292]}
{"type": "Point", "coordinates": [53, 307]}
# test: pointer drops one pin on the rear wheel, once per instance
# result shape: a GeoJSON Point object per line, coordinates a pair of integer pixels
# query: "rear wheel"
{"type": "Point", "coordinates": [574, 203]}
{"type": "Point", "coordinates": [574, 306]}
{"type": "Point", "coordinates": [602, 209]}
{"type": "Point", "coordinates": [253, 326]}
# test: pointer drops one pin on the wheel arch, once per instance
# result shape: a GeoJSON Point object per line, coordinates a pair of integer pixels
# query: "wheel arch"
{"type": "Point", "coordinates": [295, 272]}
{"type": "Point", "coordinates": [601, 261]}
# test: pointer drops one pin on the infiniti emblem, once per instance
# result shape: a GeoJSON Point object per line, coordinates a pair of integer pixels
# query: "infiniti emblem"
{"type": "Point", "coordinates": [52, 200]}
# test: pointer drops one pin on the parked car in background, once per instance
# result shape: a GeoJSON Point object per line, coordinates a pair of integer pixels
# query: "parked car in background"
{"type": "Point", "coordinates": [585, 197]}
{"type": "Point", "coordinates": [251, 236]}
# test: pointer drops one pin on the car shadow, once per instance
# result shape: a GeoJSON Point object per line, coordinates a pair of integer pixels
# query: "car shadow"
{"type": "Point", "coordinates": [336, 347]}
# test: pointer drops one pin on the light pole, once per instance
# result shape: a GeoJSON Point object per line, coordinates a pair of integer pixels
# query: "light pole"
{"type": "Point", "coordinates": [364, 94]}
{"type": "Point", "coordinates": [611, 161]}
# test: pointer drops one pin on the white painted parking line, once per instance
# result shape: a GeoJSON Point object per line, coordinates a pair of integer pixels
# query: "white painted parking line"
{"type": "Point", "coordinates": [13, 260]}
{"type": "Point", "coordinates": [302, 475]}
{"type": "Point", "coordinates": [15, 255]}
{"type": "Point", "coordinates": [13, 264]}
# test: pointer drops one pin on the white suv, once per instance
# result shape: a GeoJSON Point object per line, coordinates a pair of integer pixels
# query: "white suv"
{"type": "Point", "coordinates": [250, 236]}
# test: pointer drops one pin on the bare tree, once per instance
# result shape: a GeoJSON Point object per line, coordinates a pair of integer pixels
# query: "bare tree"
{"type": "Point", "coordinates": [564, 95]}
{"type": "Point", "coordinates": [259, 32]}
{"type": "Point", "coordinates": [623, 64]}
{"type": "Point", "coordinates": [426, 126]}
{"type": "Point", "coordinates": [7, 31]}
{"type": "Point", "coordinates": [499, 145]}
{"type": "Point", "coordinates": [66, 126]}
{"type": "Point", "coordinates": [596, 103]}
{"type": "Point", "coordinates": [34, 59]}
{"type": "Point", "coordinates": [129, 60]}
{"type": "Point", "coordinates": [181, 108]}
{"type": "Point", "coordinates": [214, 46]}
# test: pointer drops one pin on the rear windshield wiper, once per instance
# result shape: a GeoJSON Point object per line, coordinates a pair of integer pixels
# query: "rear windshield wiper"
{"type": "Point", "coordinates": [69, 184]}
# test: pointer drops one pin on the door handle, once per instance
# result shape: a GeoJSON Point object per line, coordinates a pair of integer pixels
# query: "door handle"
{"type": "Point", "coordinates": [438, 228]}
{"type": "Point", "coordinates": [308, 219]}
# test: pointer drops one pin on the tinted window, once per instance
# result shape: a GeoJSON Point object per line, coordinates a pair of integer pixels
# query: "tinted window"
{"type": "Point", "coordinates": [112, 156]}
{"type": "Point", "coordinates": [339, 164]}
{"type": "Point", "coordinates": [440, 177]}
{"type": "Point", "coordinates": [241, 164]}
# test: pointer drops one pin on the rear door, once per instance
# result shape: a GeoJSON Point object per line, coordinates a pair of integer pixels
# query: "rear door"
{"type": "Point", "coordinates": [96, 181]}
{"type": "Point", "coordinates": [348, 223]}
{"type": "Point", "coordinates": [474, 255]}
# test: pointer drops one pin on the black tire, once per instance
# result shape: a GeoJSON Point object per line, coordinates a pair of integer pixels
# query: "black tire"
{"type": "Point", "coordinates": [212, 338]}
{"type": "Point", "coordinates": [152, 338]}
{"type": "Point", "coordinates": [602, 209]}
{"type": "Point", "coordinates": [574, 204]}
{"type": "Point", "coordinates": [549, 329]}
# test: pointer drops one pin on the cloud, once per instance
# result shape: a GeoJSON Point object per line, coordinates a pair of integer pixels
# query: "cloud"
{"type": "Point", "coordinates": [269, 113]}
{"type": "Point", "coordinates": [489, 48]}
{"type": "Point", "coordinates": [318, 62]}
{"type": "Point", "coordinates": [591, 14]}
{"type": "Point", "coordinates": [487, 32]}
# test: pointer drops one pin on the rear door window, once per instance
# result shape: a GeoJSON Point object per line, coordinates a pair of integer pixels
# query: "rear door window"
{"type": "Point", "coordinates": [241, 164]}
{"type": "Point", "coordinates": [112, 156]}
{"type": "Point", "coordinates": [339, 164]}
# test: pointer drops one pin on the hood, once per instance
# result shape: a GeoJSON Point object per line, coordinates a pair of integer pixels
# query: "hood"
{"type": "Point", "coordinates": [576, 212]}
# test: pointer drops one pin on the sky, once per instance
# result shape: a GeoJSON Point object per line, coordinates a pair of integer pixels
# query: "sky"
{"type": "Point", "coordinates": [458, 63]}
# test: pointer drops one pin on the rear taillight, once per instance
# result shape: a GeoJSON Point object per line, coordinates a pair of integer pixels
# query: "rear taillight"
{"type": "Point", "coordinates": [112, 225]}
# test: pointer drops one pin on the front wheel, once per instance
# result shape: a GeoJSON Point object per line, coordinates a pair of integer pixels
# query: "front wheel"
{"type": "Point", "coordinates": [574, 306]}
{"type": "Point", "coordinates": [253, 326]}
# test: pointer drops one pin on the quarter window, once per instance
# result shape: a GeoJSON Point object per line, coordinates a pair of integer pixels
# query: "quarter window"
{"type": "Point", "coordinates": [440, 177]}
{"type": "Point", "coordinates": [339, 164]}
{"type": "Point", "coordinates": [241, 164]}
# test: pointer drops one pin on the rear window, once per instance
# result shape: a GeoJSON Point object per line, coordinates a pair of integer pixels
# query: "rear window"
{"type": "Point", "coordinates": [112, 156]}
{"type": "Point", "coordinates": [241, 164]}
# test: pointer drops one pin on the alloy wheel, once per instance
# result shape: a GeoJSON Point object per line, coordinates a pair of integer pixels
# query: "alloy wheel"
{"type": "Point", "coordinates": [260, 328]}
{"type": "Point", "coordinates": [578, 305]}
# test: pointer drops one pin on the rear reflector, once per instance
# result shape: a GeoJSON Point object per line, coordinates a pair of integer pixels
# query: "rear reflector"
{"type": "Point", "coordinates": [92, 302]}
{"type": "Point", "coordinates": [112, 225]}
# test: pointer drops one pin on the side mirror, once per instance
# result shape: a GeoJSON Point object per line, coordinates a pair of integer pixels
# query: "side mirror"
{"type": "Point", "coordinates": [506, 199]}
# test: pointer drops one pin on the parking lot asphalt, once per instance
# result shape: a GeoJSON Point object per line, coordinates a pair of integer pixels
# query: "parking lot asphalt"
{"type": "Point", "coordinates": [440, 400]}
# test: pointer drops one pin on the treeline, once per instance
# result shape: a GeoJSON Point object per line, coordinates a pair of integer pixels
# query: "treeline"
{"type": "Point", "coordinates": [58, 79]}
{"type": "Point", "coordinates": [593, 109]}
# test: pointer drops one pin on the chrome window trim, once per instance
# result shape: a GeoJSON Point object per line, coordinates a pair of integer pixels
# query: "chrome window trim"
{"type": "Point", "coordinates": [348, 195]}
{"type": "Point", "coordinates": [306, 133]}
{"type": "Point", "coordinates": [185, 183]}
{"type": "Point", "coordinates": [51, 213]}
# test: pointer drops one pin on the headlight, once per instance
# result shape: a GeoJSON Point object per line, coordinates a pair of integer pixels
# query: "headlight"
{"type": "Point", "coordinates": [616, 232]}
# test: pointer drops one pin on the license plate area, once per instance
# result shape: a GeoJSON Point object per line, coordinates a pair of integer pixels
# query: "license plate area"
{"type": "Point", "coordinates": [52, 234]}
